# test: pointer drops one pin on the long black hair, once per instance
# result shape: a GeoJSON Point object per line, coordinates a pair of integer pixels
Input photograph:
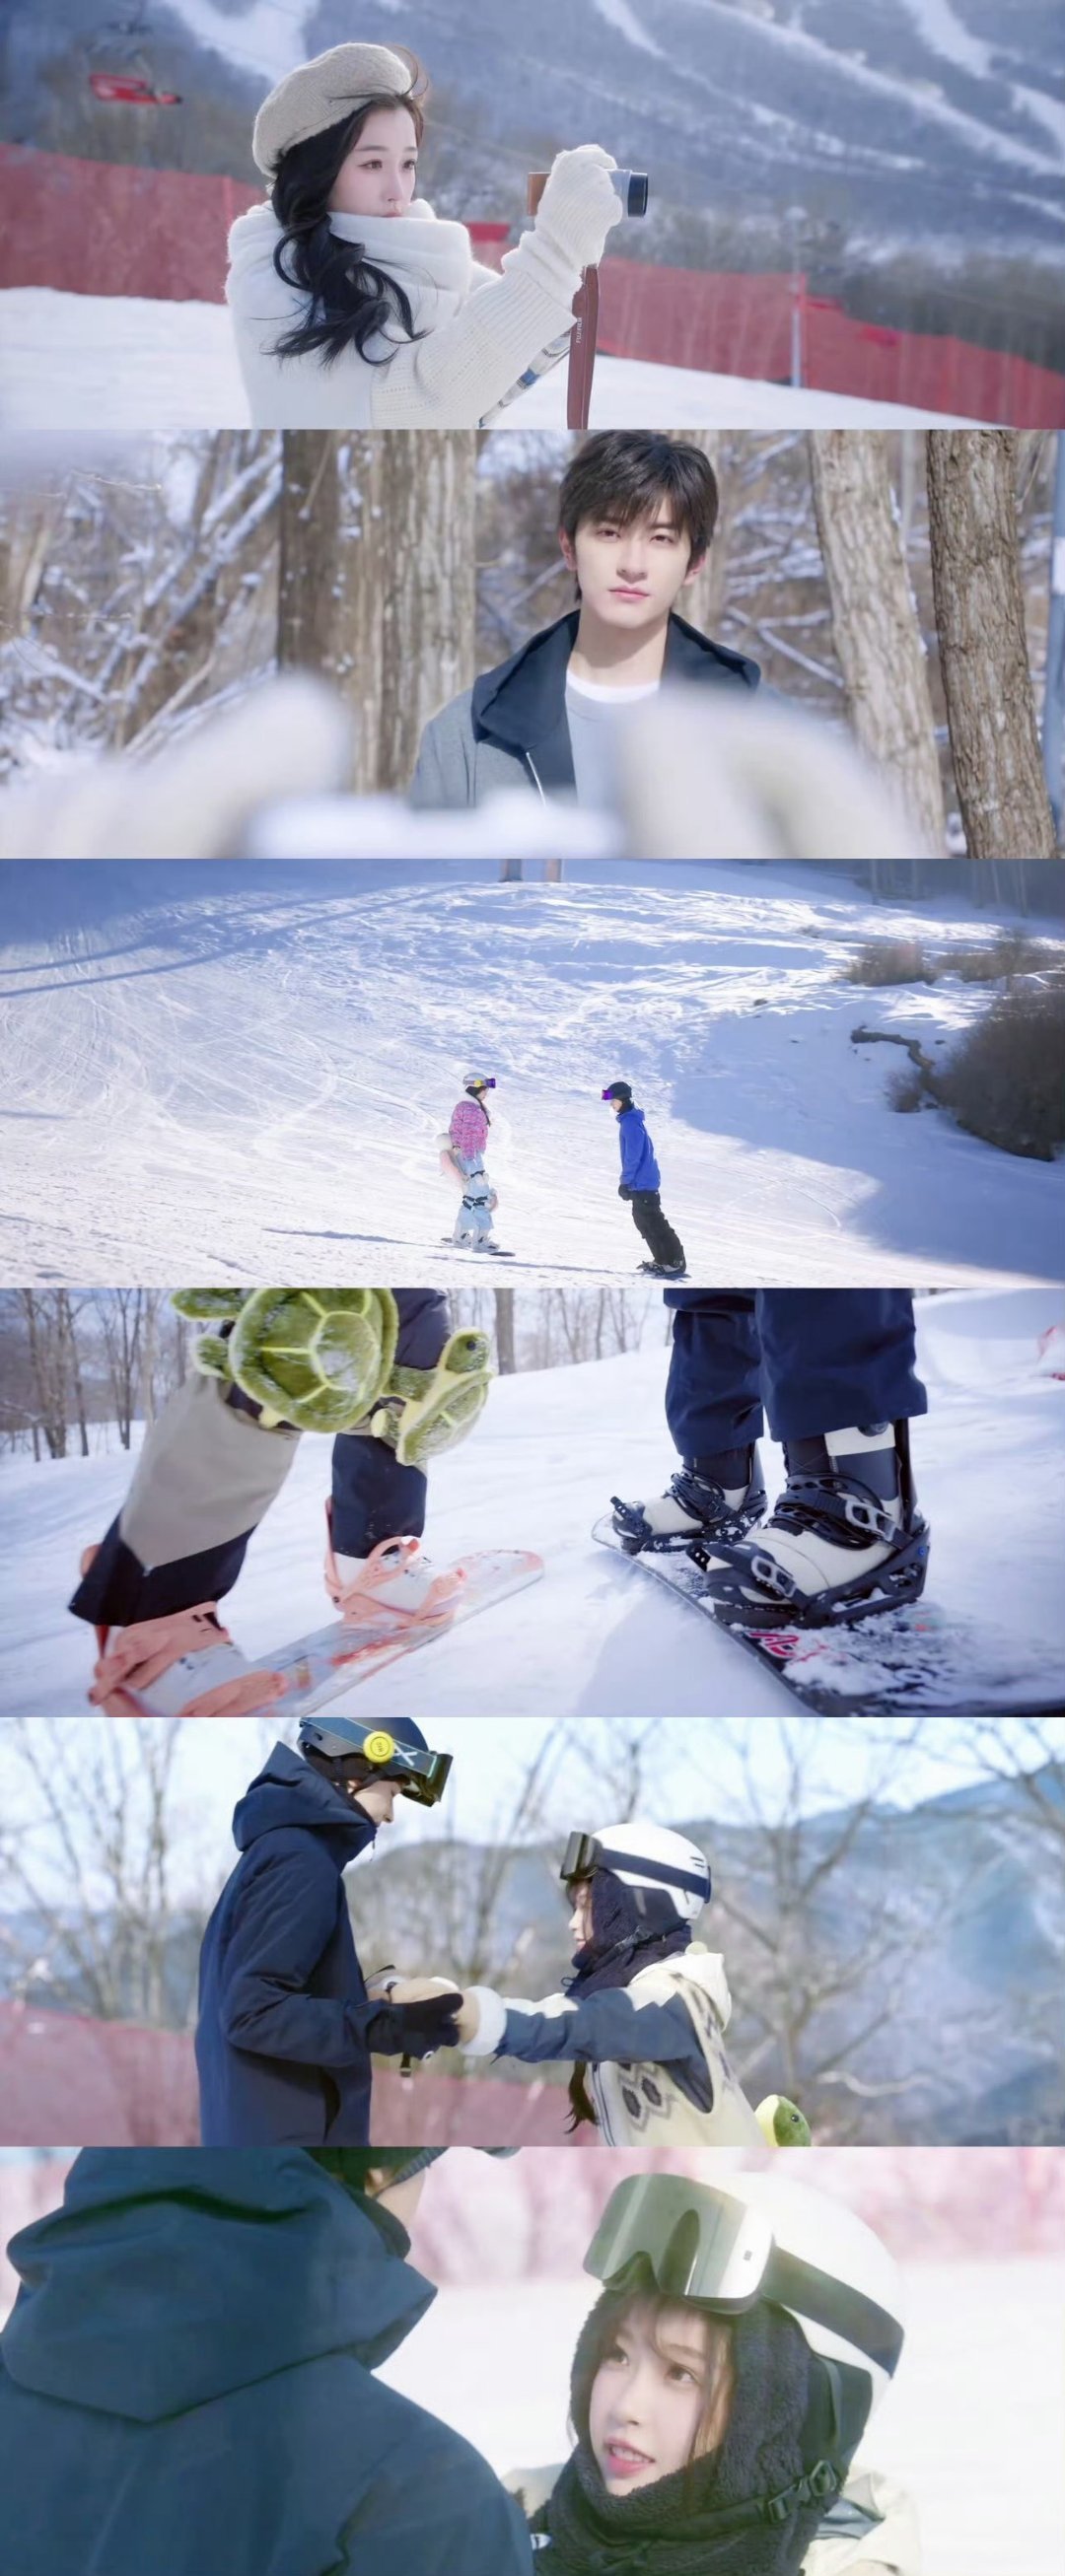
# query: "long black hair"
{"type": "Point", "coordinates": [349, 299]}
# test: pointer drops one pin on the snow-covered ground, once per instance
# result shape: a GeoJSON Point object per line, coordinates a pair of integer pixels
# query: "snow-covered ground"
{"type": "Point", "coordinates": [119, 365]}
{"type": "Point", "coordinates": [595, 1637]}
{"type": "Point", "coordinates": [971, 2427]}
{"type": "Point", "coordinates": [213, 1083]}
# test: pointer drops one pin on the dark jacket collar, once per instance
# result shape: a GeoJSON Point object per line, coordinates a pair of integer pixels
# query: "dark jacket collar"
{"type": "Point", "coordinates": [521, 705]}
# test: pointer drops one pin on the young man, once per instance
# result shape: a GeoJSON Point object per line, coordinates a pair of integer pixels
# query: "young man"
{"type": "Point", "coordinates": [188, 2379]}
{"type": "Point", "coordinates": [637, 512]}
{"type": "Point", "coordinates": [836, 1371]}
{"type": "Point", "coordinates": [640, 1184]}
{"type": "Point", "coordinates": [286, 2024]}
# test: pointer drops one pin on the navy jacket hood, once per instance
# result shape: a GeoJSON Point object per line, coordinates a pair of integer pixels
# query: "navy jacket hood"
{"type": "Point", "coordinates": [288, 1792]}
{"type": "Point", "coordinates": [173, 2276]}
{"type": "Point", "coordinates": [521, 704]}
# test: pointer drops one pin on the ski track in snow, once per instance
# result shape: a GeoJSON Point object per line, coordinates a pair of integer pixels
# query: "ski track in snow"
{"type": "Point", "coordinates": [593, 1638]}
{"type": "Point", "coordinates": [234, 1087]}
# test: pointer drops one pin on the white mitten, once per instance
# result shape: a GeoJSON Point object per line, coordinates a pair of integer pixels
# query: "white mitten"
{"type": "Point", "coordinates": [575, 214]}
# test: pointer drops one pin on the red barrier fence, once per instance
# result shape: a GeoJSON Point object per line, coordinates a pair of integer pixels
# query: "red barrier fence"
{"type": "Point", "coordinates": [107, 228]}
{"type": "Point", "coordinates": [69, 2080]}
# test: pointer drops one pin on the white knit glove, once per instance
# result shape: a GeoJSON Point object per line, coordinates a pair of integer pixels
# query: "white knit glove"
{"type": "Point", "coordinates": [575, 214]}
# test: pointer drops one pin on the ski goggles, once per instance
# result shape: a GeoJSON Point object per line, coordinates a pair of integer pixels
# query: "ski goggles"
{"type": "Point", "coordinates": [482, 1082]}
{"type": "Point", "coordinates": [418, 1773]}
{"type": "Point", "coordinates": [584, 1852]}
{"type": "Point", "coordinates": [701, 2244]}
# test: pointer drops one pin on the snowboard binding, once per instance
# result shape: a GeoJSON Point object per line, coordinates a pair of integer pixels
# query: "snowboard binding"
{"type": "Point", "coordinates": [696, 1499]}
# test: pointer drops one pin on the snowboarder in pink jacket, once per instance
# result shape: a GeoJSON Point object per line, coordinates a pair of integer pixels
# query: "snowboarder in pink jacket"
{"type": "Point", "coordinates": [462, 1155]}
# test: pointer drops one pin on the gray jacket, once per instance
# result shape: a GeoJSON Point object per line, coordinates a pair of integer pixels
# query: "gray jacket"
{"type": "Point", "coordinates": [510, 729]}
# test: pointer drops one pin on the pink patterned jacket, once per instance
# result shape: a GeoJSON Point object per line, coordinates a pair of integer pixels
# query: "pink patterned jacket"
{"type": "Point", "coordinates": [469, 1128]}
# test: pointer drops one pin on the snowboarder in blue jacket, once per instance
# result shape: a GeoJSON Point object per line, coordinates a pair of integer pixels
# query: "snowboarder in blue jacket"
{"type": "Point", "coordinates": [286, 2024]}
{"type": "Point", "coordinates": [640, 1184]}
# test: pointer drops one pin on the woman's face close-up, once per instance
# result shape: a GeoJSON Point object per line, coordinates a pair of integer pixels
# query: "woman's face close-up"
{"type": "Point", "coordinates": [647, 2413]}
{"type": "Point", "coordinates": [380, 173]}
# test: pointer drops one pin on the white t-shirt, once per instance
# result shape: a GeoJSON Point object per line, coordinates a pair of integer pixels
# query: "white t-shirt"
{"type": "Point", "coordinates": [593, 714]}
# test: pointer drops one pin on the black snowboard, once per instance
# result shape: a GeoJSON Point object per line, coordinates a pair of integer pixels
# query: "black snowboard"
{"type": "Point", "coordinates": [916, 1662]}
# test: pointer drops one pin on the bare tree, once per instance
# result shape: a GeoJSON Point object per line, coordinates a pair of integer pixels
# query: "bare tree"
{"type": "Point", "coordinates": [55, 1388]}
{"type": "Point", "coordinates": [86, 1843]}
{"type": "Point", "coordinates": [129, 1323]}
{"type": "Point", "coordinates": [438, 1907]}
{"type": "Point", "coordinates": [505, 1346]}
{"type": "Point", "coordinates": [377, 580]}
{"type": "Point", "coordinates": [875, 626]}
{"type": "Point", "coordinates": [979, 603]}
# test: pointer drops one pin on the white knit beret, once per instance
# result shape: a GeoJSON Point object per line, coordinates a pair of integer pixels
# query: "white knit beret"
{"type": "Point", "coordinates": [319, 93]}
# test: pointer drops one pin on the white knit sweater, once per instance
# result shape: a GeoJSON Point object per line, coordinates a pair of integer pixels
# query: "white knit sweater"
{"type": "Point", "coordinates": [484, 329]}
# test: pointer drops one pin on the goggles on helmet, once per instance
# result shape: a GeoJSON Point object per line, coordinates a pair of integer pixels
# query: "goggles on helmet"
{"type": "Point", "coordinates": [418, 1773]}
{"type": "Point", "coordinates": [584, 1853]}
{"type": "Point", "coordinates": [704, 2245]}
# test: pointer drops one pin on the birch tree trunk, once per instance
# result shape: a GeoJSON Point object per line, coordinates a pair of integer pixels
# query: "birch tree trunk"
{"type": "Point", "coordinates": [704, 603]}
{"type": "Point", "coordinates": [987, 681]}
{"type": "Point", "coordinates": [377, 588]}
{"type": "Point", "coordinates": [875, 625]}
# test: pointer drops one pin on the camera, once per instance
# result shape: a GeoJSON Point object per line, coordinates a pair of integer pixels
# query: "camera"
{"type": "Point", "coordinates": [632, 187]}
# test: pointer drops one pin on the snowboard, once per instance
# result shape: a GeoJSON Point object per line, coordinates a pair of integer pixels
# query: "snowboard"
{"type": "Point", "coordinates": [492, 1251]}
{"type": "Point", "coordinates": [331, 1659]}
{"type": "Point", "coordinates": [915, 1661]}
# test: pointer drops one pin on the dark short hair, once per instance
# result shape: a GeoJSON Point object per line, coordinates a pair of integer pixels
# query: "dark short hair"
{"type": "Point", "coordinates": [627, 474]}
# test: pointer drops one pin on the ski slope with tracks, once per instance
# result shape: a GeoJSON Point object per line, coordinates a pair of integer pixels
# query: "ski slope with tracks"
{"type": "Point", "coordinates": [238, 1072]}
{"type": "Point", "coordinates": [593, 1637]}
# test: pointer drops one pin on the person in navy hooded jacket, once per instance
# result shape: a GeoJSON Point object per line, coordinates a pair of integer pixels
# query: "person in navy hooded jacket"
{"type": "Point", "coordinates": [286, 2022]}
{"type": "Point", "coordinates": [188, 2378]}
{"type": "Point", "coordinates": [640, 1184]}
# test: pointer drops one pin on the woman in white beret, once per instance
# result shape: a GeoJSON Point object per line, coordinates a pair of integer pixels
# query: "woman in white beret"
{"type": "Point", "coordinates": [354, 307]}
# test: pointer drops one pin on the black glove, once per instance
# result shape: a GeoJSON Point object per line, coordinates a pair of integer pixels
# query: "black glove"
{"type": "Point", "coordinates": [415, 2030]}
{"type": "Point", "coordinates": [624, 1191]}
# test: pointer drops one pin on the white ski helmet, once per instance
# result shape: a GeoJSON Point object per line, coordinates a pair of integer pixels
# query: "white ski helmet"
{"type": "Point", "coordinates": [763, 2236]}
{"type": "Point", "coordinates": [643, 1856]}
{"type": "Point", "coordinates": [478, 1082]}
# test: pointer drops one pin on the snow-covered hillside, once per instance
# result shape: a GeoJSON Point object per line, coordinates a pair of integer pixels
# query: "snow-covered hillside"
{"type": "Point", "coordinates": [936, 123]}
{"type": "Point", "coordinates": [595, 1636]}
{"type": "Point", "coordinates": [202, 1078]}
{"type": "Point", "coordinates": [117, 366]}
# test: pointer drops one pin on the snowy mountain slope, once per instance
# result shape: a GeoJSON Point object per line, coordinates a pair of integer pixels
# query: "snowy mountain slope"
{"type": "Point", "coordinates": [928, 122]}
{"type": "Point", "coordinates": [202, 1075]}
{"type": "Point", "coordinates": [134, 364]}
{"type": "Point", "coordinates": [594, 1637]}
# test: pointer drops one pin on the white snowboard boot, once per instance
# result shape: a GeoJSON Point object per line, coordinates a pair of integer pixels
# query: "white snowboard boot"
{"type": "Point", "coordinates": [697, 1505]}
{"type": "Point", "coordinates": [844, 1540]}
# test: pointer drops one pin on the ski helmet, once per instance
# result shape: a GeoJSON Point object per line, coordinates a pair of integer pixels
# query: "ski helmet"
{"type": "Point", "coordinates": [618, 1091]}
{"type": "Point", "coordinates": [478, 1082]}
{"type": "Point", "coordinates": [394, 1751]}
{"type": "Point", "coordinates": [763, 2236]}
{"type": "Point", "coordinates": [648, 1856]}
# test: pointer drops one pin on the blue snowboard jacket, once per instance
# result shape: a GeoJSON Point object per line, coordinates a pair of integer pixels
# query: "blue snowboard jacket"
{"type": "Point", "coordinates": [281, 2042]}
{"type": "Point", "coordinates": [639, 1170]}
{"type": "Point", "coordinates": [187, 2389]}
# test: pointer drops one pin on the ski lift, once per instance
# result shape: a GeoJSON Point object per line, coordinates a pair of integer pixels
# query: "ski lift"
{"type": "Point", "coordinates": [134, 85]}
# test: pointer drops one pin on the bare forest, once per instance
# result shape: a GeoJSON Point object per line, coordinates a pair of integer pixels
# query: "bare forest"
{"type": "Point", "coordinates": [80, 1367]}
{"type": "Point", "coordinates": [892, 583]}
